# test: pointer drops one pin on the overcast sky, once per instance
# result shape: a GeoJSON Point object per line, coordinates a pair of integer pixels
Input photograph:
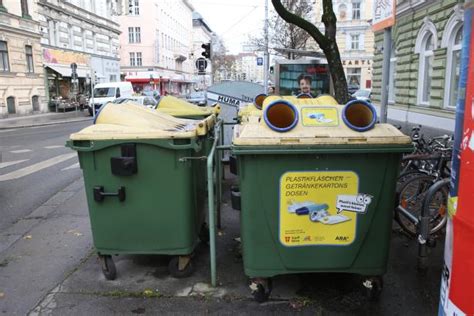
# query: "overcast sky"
{"type": "Point", "coordinates": [233, 20]}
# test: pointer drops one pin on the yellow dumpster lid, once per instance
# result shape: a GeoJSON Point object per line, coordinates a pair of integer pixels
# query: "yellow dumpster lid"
{"type": "Point", "coordinates": [313, 124]}
{"type": "Point", "coordinates": [175, 106]}
{"type": "Point", "coordinates": [122, 132]}
{"type": "Point", "coordinates": [129, 120]}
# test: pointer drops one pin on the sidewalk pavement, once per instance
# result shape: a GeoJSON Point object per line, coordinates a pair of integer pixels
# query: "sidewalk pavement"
{"type": "Point", "coordinates": [44, 119]}
{"type": "Point", "coordinates": [48, 267]}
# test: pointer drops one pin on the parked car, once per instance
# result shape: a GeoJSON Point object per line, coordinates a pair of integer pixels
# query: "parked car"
{"type": "Point", "coordinates": [152, 93]}
{"type": "Point", "coordinates": [197, 97]}
{"type": "Point", "coordinates": [363, 94]}
{"type": "Point", "coordinates": [108, 92]}
{"type": "Point", "coordinates": [149, 102]}
{"type": "Point", "coordinates": [352, 88]}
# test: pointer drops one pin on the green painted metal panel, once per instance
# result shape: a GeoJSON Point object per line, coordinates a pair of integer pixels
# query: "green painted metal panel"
{"type": "Point", "coordinates": [162, 212]}
{"type": "Point", "coordinates": [260, 173]}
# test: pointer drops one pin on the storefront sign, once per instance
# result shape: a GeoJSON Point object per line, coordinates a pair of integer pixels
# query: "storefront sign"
{"type": "Point", "coordinates": [55, 56]}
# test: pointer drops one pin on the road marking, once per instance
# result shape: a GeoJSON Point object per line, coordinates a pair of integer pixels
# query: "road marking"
{"type": "Point", "coordinates": [53, 147]}
{"type": "Point", "coordinates": [74, 166]}
{"type": "Point", "coordinates": [36, 167]}
{"type": "Point", "coordinates": [20, 151]}
{"type": "Point", "coordinates": [11, 163]}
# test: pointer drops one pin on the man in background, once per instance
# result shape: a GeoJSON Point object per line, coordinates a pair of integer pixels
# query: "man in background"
{"type": "Point", "coordinates": [304, 82]}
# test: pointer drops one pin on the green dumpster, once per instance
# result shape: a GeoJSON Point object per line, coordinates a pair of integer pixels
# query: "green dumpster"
{"type": "Point", "coordinates": [140, 170]}
{"type": "Point", "coordinates": [316, 195]}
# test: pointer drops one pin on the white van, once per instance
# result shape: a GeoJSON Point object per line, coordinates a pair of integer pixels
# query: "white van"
{"type": "Point", "coordinates": [109, 91]}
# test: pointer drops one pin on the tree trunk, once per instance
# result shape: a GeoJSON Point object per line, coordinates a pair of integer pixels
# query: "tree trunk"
{"type": "Point", "coordinates": [326, 42]}
{"type": "Point", "coordinates": [338, 75]}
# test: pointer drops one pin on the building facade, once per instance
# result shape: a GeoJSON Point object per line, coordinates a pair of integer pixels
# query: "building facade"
{"type": "Point", "coordinates": [157, 45]}
{"type": "Point", "coordinates": [354, 37]}
{"type": "Point", "coordinates": [83, 32]}
{"type": "Point", "coordinates": [424, 63]}
{"type": "Point", "coordinates": [21, 71]}
{"type": "Point", "coordinates": [248, 68]}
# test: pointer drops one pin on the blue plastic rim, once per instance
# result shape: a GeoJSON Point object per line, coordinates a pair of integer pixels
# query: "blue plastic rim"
{"type": "Point", "coordinates": [359, 119]}
{"type": "Point", "coordinates": [258, 105]}
{"type": "Point", "coordinates": [272, 122]}
{"type": "Point", "coordinates": [100, 110]}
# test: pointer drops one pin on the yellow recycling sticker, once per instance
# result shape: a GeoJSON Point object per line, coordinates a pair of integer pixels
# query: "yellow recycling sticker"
{"type": "Point", "coordinates": [319, 116]}
{"type": "Point", "coordinates": [320, 207]}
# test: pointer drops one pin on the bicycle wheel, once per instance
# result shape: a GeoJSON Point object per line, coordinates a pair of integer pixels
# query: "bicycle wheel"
{"type": "Point", "coordinates": [410, 197]}
{"type": "Point", "coordinates": [404, 177]}
{"type": "Point", "coordinates": [437, 204]}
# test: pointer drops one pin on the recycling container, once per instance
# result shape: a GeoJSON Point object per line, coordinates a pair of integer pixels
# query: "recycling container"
{"type": "Point", "coordinates": [316, 195]}
{"type": "Point", "coordinates": [140, 172]}
{"type": "Point", "coordinates": [180, 108]}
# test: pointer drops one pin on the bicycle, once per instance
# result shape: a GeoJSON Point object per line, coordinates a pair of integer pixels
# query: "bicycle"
{"type": "Point", "coordinates": [414, 184]}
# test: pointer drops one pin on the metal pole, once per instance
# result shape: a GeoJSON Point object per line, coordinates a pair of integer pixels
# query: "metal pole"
{"type": "Point", "coordinates": [211, 204]}
{"type": "Point", "coordinates": [92, 92]}
{"type": "Point", "coordinates": [266, 59]}
{"type": "Point", "coordinates": [387, 48]}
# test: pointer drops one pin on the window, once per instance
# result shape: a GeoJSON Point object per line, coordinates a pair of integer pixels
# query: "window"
{"type": "Point", "coordinates": [131, 35]}
{"type": "Point", "coordinates": [29, 59]}
{"type": "Point", "coordinates": [134, 35]}
{"type": "Point", "coordinates": [353, 76]}
{"type": "Point", "coordinates": [342, 12]}
{"type": "Point", "coordinates": [425, 44]}
{"type": "Point", "coordinates": [136, 59]}
{"type": "Point", "coordinates": [53, 33]}
{"type": "Point", "coordinates": [452, 41]}
{"type": "Point", "coordinates": [35, 103]}
{"type": "Point", "coordinates": [391, 75]}
{"type": "Point", "coordinates": [356, 10]}
{"type": "Point", "coordinates": [426, 70]}
{"type": "Point", "coordinates": [138, 37]}
{"type": "Point", "coordinates": [455, 54]}
{"type": "Point", "coordinates": [4, 63]}
{"type": "Point", "coordinates": [139, 59]}
{"type": "Point", "coordinates": [355, 41]}
{"type": "Point", "coordinates": [134, 7]}
{"type": "Point", "coordinates": [11, 105]}
{"type": "Point", "coordinates": [24, 9]}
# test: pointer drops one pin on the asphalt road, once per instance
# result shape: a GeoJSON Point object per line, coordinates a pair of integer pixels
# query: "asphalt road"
{"type": "Point", "coordinates": [34, 165]}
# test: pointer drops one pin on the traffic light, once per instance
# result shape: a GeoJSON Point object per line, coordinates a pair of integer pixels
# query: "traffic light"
{"type": "Point", "coordinates": [272, 70]}
{"type": "Point", "coordinates": [207, 50]}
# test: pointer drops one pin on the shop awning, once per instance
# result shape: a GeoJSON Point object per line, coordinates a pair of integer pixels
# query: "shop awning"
{"type": "Point", "coordinates": [65, 70]}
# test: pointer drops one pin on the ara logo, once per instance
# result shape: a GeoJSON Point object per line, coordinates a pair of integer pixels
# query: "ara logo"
{"type": "Point", "coordinates": [342, 238]}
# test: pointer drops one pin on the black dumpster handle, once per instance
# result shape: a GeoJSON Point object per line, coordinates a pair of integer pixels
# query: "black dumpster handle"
{"type": "Point", "coordinates": [99, 194]}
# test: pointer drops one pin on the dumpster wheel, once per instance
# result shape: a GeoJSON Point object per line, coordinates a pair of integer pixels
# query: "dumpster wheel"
{"type": "Point", "coordinates": [181, 266]}
{"type": "Point", "coordinates": [108, 267]}
{"type": "Point", "coordinates": [261, 289]}
{"type": "Point", "coordinates": [204, 233]}
{"type": "Point", "coordinates": [373, 287]}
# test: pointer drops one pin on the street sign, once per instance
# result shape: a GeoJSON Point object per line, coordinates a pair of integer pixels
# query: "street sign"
{"type": "Point", "coordinates": [259, 61]}
{"type": "Point", "coordinates": [74, 71]}
{"type": "Point", "coordinates": [201, 64]}
{"type": "Point", "coordinates": [383, 14]}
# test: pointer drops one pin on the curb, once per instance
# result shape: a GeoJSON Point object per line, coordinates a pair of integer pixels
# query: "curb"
{"type": "Point", "coordinates": [47, 123]}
